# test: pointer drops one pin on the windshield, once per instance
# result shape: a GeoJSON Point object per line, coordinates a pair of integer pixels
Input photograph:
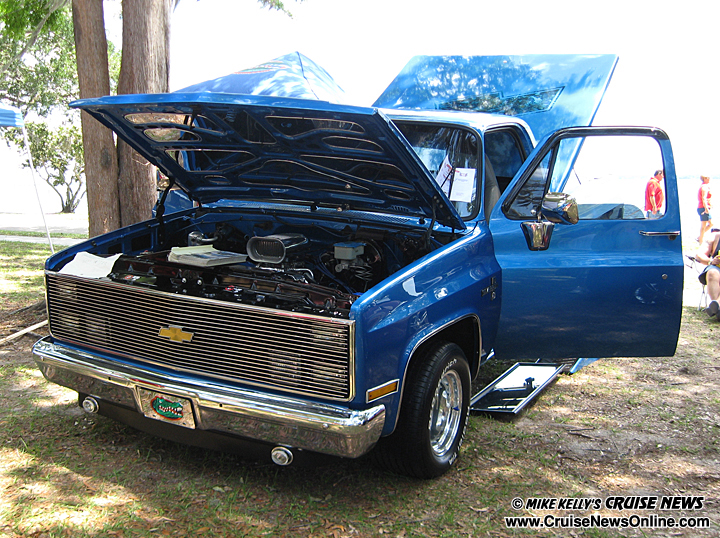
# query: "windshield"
{"type": "Point", "coordinates": [451, 156]}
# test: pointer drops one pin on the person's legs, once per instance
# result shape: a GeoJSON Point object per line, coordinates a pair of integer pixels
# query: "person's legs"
{"type": "Point", "coordinates": [705, 223]}
{"type": "Point", "coordinates": [703, 229]}
{"type": "Point", "coordinates": [712, 279]}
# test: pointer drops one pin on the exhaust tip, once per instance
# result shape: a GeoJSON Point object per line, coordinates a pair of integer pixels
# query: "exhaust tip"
{"type": "Point", "coordinates": [281, 456]}
{"type": "Point", "coordinates": [90, 405]}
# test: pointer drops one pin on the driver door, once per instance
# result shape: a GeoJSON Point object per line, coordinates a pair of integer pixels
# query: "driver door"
{"type": "Point", "coordinates": [609, 284]}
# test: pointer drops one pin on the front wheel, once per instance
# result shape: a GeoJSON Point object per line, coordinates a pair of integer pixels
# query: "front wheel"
{"type": "Point", "coordinates": [433, 415]}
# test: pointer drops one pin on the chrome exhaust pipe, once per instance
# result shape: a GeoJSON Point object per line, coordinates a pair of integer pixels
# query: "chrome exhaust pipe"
{"type": "Point", "coordinates": [281, 456]}
{"type": "Point", "coordinates": [90, 405]}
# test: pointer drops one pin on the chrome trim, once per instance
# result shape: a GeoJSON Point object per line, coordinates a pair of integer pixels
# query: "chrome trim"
{"type": "Point", "coordinates": [297, 353]}
{"type": "Point", "coordinates": [325, 428]}
{"type": "Point", "coordinates": [441, 328]}
{"type": "Point", "coordinates": [425, 339]}
{"type": "Point", "coordinates": [653, 234]}
{"type": "Point", "coordinates": [537, 234]}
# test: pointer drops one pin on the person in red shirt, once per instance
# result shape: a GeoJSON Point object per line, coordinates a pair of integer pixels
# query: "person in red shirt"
{"type": "Point", "coordinates": [654, 195]}
{"type": "Point", "coordinates": [704, 206]}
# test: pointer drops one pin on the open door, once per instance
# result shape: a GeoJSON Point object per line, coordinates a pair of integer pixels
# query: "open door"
{"type": "Point", "coordinates": [585, 273]}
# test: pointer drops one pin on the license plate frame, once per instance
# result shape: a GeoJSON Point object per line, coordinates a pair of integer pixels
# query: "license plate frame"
{"type": "Point", "coordinates": [166, 408]}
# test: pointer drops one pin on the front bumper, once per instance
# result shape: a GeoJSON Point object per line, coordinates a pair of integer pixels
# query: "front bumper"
{"type": "Point", "coordinates": [323, 428]}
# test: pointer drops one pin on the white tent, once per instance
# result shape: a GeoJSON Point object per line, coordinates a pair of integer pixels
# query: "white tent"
{"type": "Point", "coordinates": [11, 117]}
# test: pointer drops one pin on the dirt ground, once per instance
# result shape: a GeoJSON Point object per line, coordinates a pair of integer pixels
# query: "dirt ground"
{"type": "Point", "coordinates": [634, 426]}
{"type": "Point", "coordinates": [646, 426]}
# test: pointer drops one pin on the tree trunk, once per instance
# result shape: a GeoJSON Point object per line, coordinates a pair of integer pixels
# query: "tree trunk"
{"type": "Point", "coordinates": [145, 59]}
{"type": "Point", "coordinates": [101, 168]}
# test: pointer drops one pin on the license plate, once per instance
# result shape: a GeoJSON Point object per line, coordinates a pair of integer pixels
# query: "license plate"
{"type": "Point", "coordinates": [166, 408]}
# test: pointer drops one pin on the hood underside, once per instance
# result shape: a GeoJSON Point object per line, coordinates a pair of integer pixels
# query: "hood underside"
{"type": "Point", "coordinates": [259, 148]}
{"type": "Point", "coordinates": [272, 148]}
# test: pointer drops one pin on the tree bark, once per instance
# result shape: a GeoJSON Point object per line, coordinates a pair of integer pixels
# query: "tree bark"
{"type": "Point", "coordinates": [145, 60]}
{"type": "Point", "coordinates": [101, 167]}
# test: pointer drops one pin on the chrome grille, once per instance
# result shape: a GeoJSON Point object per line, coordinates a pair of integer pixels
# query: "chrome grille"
{"type": "Point", "coordinates": [300, 353]}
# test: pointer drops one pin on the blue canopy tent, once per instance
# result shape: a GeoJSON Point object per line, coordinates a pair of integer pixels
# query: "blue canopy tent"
{"type": "Point", "coordinates": [11, 117]}
{"type": "Point", "coordinates": [292, 75]}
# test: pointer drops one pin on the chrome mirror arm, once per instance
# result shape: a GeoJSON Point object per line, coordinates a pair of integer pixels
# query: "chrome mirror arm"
{"type": "Point", "coordinates": [557, 208]}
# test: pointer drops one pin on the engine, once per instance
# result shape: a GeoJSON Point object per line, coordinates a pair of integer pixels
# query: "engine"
{"type": "Point", "coordinates": [320, 274]}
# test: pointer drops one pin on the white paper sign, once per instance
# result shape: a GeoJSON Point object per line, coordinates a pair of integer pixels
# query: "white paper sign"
{"type": "Point", "coordinates": [444, 176]}
{"type": "Point", "coordinates": [89, 265]}
{"type": "Point", "coordinates": [463, 185]}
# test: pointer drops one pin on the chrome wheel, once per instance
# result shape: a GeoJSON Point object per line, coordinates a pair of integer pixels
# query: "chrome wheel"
{"type": "Point", "coordinates": [446, 413]}
{"type": "Point", "coordinates": [432, 419]}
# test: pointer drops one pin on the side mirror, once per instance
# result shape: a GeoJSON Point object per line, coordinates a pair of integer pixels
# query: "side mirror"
{"type": "Point", "coordinates": [556, 208]}
{"type": "Point", "coordinates": [559, 208]}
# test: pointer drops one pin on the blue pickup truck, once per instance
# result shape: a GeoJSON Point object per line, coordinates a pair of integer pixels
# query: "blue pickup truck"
{"type": "Point", "coordinates": [344, 278]}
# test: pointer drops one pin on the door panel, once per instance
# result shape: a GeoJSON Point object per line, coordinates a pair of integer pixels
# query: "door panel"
{"type": "Point", "coordinates": [609, 285]}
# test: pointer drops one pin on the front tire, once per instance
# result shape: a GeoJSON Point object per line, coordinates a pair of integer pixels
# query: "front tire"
{"type": "Point", "coordinates": [433, 415]}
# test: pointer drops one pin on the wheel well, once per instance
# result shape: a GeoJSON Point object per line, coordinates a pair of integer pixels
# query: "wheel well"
{"type": "Point", "coordinates": [465, 333]}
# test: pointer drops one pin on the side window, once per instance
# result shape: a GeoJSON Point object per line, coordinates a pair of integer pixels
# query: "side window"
{"type": "Point", "coordinates": [528, 200]}
{"type": "Point", "coordinates": [451, 156]}
{"type": "Point", "coordinates": [611, 177]}
{"type": "Point", "coordinates": [506, 155]}
{"type": "Point", "coordinates": [614, 177]}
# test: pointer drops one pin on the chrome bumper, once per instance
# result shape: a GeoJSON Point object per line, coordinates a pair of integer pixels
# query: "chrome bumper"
{"type": "Point", "coordinates": [328, 429]}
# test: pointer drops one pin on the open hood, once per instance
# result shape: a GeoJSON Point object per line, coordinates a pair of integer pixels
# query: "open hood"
{"type": "Point", "coordinates": [548, 91]}
{"type": "Point", "coordinates": [242, 147]}
{"type": "Point", "coordinates": [292, 75]}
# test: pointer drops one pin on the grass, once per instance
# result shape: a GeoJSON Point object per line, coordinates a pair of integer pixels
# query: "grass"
{"type": "Point", "coordinates": [64, 473]}
{"type": "Point", "coordinates": [73, 475]}
{"type": "Point", "coordinates": [21, 273]}
{"type": "Point", "coordinates": [69, 474]}
{"type": "Point", "coordinates": [22, 233]}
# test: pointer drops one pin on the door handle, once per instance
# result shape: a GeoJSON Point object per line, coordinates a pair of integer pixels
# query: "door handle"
{"type": "Point", "coordinates": [671, 235]}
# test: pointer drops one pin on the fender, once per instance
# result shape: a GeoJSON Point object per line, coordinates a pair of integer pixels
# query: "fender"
{"type": "Point", "coordinates": [474, 362]}
{"type": "Point", "coordinates": [428, 297]}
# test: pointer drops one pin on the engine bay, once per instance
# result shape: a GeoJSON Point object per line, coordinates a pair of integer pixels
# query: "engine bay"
{"type": "Point", "coordinates": [300, 267]}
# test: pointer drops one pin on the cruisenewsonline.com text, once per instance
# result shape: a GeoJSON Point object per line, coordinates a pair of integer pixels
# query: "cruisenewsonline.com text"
{"type": "Point", "coordinates": [606, 522]}
{"type": "Point", "coordinates": [615, 503]}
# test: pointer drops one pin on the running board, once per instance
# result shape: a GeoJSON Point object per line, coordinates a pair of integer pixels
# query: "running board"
{"type": "Point", "coordinates": [516, 388]}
